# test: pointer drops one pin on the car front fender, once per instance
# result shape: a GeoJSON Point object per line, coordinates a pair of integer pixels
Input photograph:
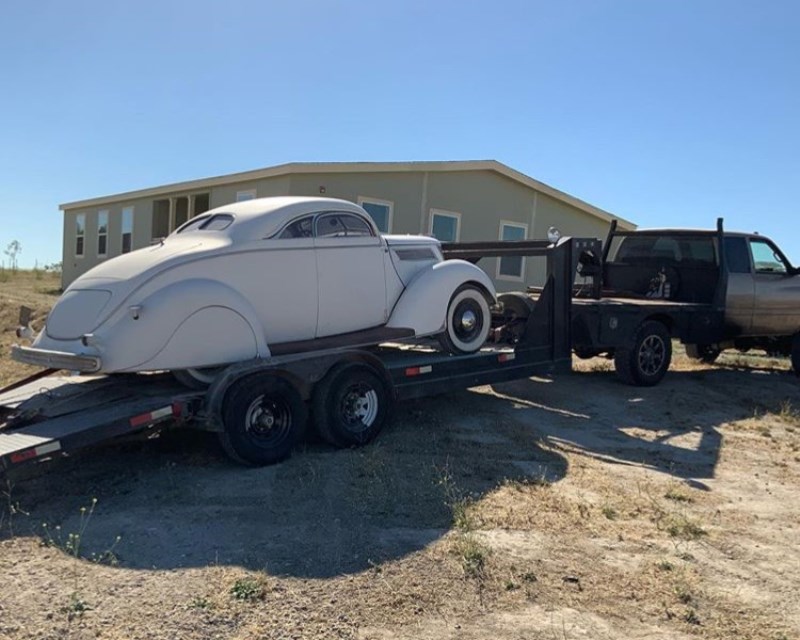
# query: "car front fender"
{"type": "Point", "coordinates": [423, 305]}
{"type": "Point", "coordinates": [169, 327]}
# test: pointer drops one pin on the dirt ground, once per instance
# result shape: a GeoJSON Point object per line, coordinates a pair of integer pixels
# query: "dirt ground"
{"type": "Point", "coordinates": [568, 508]}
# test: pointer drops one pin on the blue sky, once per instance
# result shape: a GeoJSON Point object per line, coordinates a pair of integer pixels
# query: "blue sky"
{"type": "Point", "coordinates": [666, 113]}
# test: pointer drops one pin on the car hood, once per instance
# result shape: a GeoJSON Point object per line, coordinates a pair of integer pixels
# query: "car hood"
{"type": "Point", "coordinates": [96, 294]}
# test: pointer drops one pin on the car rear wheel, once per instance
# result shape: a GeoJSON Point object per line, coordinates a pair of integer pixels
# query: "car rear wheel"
{"type": "Point", "coordinates": [468, 321]}
{"type": "Point", "coordinates": [264, 418]}
{"type": "Point", "coordinates": [704, 352]}
{"type": "Point", "coordinates": [196, 378]}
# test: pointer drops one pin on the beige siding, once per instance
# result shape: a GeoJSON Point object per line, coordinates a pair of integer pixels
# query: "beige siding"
{"type": "Point", "coordinates": [226, 194]}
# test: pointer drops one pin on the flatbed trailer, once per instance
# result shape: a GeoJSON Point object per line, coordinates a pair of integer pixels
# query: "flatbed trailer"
{"type": "Point", "coordinates": [260, 408]}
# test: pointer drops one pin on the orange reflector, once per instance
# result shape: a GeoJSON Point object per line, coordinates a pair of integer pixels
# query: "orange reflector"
{"type": "Point", "coordinates": [415, 371]}
{"type": "Point", "coordinates": [505, 357]}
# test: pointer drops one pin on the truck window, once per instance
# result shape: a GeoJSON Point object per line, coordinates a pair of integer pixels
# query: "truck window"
{"type": "Point", "coordinates": [736, 253]}
{"type": "Point", "coordinates": [765, 258]}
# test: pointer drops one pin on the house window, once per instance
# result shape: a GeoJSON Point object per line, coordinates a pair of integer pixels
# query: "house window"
{"type": "Point", "coordinates": [102, 233]}
{"type": "Point", "coordinates": [127, 229]}
{"type": "Point", "coordinates": [380, 211]}
{"type": "Point", "coordinates": [445, 225]}
{"type": "Point", "coordinates": [200, 204]}
{"type": "Point", "coordinates": [241, 196]}
{"type": "Point", "coordinates": [181, 212]}
{"type": "Point", "coordinates": [161, 216]}
{"type": "Point", "coordinates": [80, 234]}
{"type": "Point", "coordinates": [512, 267]}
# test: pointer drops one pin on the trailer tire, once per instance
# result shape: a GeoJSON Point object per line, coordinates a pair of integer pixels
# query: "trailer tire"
{"type": "Point", "coordinates": [264, 418]}
{"type": "Point", "coordinates": [796, 354]}
{"type": "Point", "coordinates": [351, 405]}
{"type": "Point", "coordinates": [468, 321]}
{"type": "Point", "coordinates": [703, 352]}
{"type": "Point", "coordinates": [645, 363]}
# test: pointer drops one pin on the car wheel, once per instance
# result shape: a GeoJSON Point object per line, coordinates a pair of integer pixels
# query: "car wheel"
{"type": "Point", "coordinates": [468, 321]}
{"type": "Point", "coordinates": [351, 405]}
{"type": "Point", "coordinates": [645, 363]}
{"type": "Point", "coordinates": [704, 352]}
{"type": "Point", "coordinates": [196, 378]}
{"type": "Point", "coordinates": [264, 418]}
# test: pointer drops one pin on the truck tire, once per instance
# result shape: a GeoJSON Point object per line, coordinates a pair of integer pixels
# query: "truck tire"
{"type": "Point", "coordinates": [645, 363]}
{"type": "Point", "coordinates": [703, 352]}
{"type": "Point", "coordinates": [351, 405]}
{"type": "Point", "coordinates": [796, 354]}
{"type": "Point", "coordinates": [264, 418]}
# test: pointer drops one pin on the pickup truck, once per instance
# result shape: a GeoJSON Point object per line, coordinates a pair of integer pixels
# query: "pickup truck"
{"type": "Point", "coordinates": [711, 289]}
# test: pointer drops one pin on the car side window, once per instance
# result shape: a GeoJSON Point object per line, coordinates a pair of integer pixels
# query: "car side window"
{"type": "Point", "coordinates": [766, 258]}
{"type": "Point", "coordinates": [339, 225]}
{"type": "Point", "coordinates": [302, 228]}
{"type": "Point", "coordinates": [736, 255]}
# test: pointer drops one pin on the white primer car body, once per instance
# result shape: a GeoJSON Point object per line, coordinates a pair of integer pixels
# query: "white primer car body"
{"type": "Point", "coordinates": [261, 278]}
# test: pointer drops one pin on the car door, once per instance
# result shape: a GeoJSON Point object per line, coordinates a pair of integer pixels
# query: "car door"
{"type": "Point", "coordinates": [776, 291]}
{"type": "Point", "coordinates": [351, 283]}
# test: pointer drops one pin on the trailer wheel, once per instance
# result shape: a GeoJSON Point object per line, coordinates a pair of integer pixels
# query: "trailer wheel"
{"type": "Point", "coordinates": [351, 405]}
{"type": "Point", "coordinates": [264, 417]}
{"type": "Point", "coordinates": [796, 353]}
{"type": "Point", "coordinates": [645, 363]}
{"type": "Point", "coordinates": [468, 321]}
{"type": "Point", "coordinates": [703, 352]}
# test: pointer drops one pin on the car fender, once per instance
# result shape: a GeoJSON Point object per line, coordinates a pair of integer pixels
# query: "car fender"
{"type": "Point", "coordinates": [423, 305]}
{"type": "Point", "coordinates": [159, 330]}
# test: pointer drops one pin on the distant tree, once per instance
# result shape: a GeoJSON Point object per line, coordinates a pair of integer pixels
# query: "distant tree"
{"type": "Point", "coordinates": [13, 249]}
{"type": "Point", "coordinates": [54, 267]}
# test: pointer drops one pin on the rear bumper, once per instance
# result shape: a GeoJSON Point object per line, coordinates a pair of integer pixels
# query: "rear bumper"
{"type": "Point", "coordinates": [56, 359]}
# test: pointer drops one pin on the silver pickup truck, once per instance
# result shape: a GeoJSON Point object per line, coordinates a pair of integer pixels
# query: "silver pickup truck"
{"type": "Point", "coordinates": [748, 279]}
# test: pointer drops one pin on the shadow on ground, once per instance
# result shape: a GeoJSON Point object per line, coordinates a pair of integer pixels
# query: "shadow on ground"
{"type": "Point", "coordinates": [322, 513]}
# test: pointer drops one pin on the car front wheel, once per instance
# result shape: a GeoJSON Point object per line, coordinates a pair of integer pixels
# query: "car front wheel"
{"type": "Point", "coordinates": [468, 321]}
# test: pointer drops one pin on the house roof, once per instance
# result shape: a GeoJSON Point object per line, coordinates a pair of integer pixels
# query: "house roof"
{"type": "Point", "coordinates": [353, 167]}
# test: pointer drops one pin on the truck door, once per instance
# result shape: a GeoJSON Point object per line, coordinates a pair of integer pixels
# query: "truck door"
{"type": "Point", "coordinates": [740, 294]}
{"type": "Point", "coordinates": [776, 291]}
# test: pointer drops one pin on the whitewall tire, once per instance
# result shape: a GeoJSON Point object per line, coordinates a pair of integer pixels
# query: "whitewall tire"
{"type": "Point", "coordinates": [468, 321]}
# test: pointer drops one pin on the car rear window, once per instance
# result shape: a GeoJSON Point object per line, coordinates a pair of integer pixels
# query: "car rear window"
{"type": "Point", "coordinates": [217, 222]}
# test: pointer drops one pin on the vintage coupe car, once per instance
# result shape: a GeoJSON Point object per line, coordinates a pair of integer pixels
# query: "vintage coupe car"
{"type": "Point", "coordinates": [257, 279]}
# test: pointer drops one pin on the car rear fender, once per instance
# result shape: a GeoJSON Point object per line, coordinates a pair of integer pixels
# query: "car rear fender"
{"type": "Point", "coordinates": [186, 317]}
{"type": "Point", "coordinates": [423, 305]}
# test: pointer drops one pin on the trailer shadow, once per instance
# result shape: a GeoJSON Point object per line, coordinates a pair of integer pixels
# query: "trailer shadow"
{"type": "Point", "coordinates": [320, 514]}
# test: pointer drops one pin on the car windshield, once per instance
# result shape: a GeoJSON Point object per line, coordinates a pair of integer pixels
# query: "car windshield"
{"type": "Point", "coordinates": [217, 222]}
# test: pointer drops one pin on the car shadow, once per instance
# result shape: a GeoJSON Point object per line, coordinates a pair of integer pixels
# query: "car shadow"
{"type": "Point", "coordinates": [322, 513]}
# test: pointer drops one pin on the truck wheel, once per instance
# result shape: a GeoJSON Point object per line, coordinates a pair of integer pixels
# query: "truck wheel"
{"type": "Point", "coordinates": [468, 321]}
{"type": "Point", "coordinates": [351, 405]}
{"type": "Point", "coordinates": [264, 417]}
{"type": "Point", "coordinates": [796, 354]}
{"type": "Point", "coordinates": [645, 363]}
{"type": "Point", "coordinates": [704, 352]}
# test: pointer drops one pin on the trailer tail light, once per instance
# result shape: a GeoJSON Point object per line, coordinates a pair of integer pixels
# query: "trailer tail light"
{"type": "Point", "coordinates": [415, 371]}
{"type": "Point", "coordinates": [36, 452]}
{"type": "Point", "coordinates": [506, 357]}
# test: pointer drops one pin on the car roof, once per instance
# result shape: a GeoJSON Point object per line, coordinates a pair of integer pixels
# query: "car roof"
{"type": "Point", "coordinates": [263, 217]}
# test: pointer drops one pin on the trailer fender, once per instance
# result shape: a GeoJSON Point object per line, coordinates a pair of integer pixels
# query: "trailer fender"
{"type": "Point", "coordinates": [423, 305]}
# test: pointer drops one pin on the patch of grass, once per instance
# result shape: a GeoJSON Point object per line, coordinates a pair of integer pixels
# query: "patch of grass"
{"type": "Point", "coordinates": [675, 494]}
{"type": "Point", "coordinates": [71, 543]}
{"type": "Point", "coordinates": [75, 607]}
{"type": "Point", "coordinates": [684, 528]}
{"type": "Point", "coordinates": [247, 589]}
{"type": "Point", "coordinates": [665, 565]}
{"type": "Point", "coordinates": [200, 602]}
{"type": "Point", "coordinates": [691, 617]}
{"type": "Point", "coordinates": [683, 594]}
{"type": "Point", "coordinates": [609, 512]}
{"type": "Point", "coordinates": [473, 555]}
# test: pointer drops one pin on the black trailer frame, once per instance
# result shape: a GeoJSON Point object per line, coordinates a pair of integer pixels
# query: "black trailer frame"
{"type": "Point", "coordinates": [42, 418]}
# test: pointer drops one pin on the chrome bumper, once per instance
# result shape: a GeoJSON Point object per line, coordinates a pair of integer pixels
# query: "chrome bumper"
{"type": "Point", "coordinates": [55, 359]}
